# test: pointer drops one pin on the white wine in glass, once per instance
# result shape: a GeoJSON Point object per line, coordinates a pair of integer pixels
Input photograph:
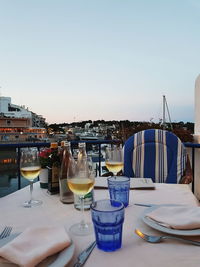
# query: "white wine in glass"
{"type": "Point", "coordinates": [114, 159]}
{"type": "Point", "coordinates": [30, 173]}
{"type": "Point", "coordinates": [81, 186]}
{"type": "Point", "coordinates": [30, 169]}
{"type": "Point", "coordinates": [80, 181]}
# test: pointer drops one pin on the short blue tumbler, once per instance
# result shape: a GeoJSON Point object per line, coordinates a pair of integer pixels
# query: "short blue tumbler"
{"type": "Point", "coordinates": [108, 223]}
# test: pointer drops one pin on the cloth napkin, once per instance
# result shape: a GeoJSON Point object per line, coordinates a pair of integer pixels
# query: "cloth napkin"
{"type": "Point", "coordinates": [177, 217]}
{"type": "Point", "coordinates": [34, 245]}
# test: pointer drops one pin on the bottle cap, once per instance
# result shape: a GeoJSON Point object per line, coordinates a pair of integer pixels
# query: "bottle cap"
{"type": "Point", "coordinates": [62, 143]}
{"type": "Point", "coordinates": [54, 145]}
{"type": "Point", "coordinates": [66, 143]}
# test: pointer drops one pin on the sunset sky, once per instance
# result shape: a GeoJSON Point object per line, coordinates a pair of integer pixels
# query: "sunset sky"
{"type": "Point", "coordinates": [100, 59]}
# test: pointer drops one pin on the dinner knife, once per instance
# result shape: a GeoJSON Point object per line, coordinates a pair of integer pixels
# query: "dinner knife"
{"type": "Point", "coordinates": [83, 256]}
{"type": "Point", "coordinates": [144, 205]}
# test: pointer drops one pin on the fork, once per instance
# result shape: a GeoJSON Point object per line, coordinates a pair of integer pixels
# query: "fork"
{"type": "Point", "coordinates": [6, 232]}
{"type": "Point", "coordinates": [158, 239]}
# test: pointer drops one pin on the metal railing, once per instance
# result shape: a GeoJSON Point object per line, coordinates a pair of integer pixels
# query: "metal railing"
{"type": "Point", "coordinates": [74, 144]}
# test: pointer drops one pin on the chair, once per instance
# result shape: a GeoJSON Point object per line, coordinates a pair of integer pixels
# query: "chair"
{"type": "Point", "coordinates": [157, 154]}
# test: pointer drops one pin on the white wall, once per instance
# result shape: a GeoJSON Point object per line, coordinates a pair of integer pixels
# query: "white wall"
{"type": "Point", "coordinates": [4, 101]}
{"type": "Point", "coordinates": [197, 137]}
{"type": "Point", "coordinates": [23, 113]}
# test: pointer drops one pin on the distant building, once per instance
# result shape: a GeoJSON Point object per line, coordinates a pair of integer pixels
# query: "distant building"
{"type": "Point", "coordinates": [9, 110]}
{"type": "Point", "coordinates": [20, 124]}
{"type": "Point", "coordinates": [12, 111]}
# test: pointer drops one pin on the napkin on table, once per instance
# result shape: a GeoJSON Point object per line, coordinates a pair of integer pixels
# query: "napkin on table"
{"type": "Point", "coordinates": [34, 245]}
{"type": "Point", "coordinates": [177, 217]}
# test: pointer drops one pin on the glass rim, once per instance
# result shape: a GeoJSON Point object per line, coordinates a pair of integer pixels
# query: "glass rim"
{"type": "Point", "coordinates": [29, 148]}
{"type": "Point", "coordinates": [115, 180]}
{"type": "Point", "coordinates": [121, 207]}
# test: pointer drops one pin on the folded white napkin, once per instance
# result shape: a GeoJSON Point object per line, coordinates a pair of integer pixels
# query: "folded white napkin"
{"type": "Point", "coordinates": [177, 217]}
{"type": "Point", "coordinates": [34, 245]}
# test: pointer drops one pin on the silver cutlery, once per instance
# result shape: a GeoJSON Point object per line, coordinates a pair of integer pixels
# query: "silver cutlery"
{"type": "Point", "coordinates": [6, 232]}
{"type": "Point", "coordinates": [144, 205]}
{"type": "Point", "coordinates": [158, 239]}
{"type": "Point", "coordinates": [153, 205]}
{"type": "Point", "coordinates": [83, 256]}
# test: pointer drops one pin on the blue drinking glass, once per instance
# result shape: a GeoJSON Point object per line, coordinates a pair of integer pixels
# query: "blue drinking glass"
{"type": "Point", "coordinates": [108, 223]}
{"type": "Point", "coordinates": [119, 187]}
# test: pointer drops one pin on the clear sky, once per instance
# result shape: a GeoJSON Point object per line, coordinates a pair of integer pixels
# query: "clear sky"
{"type": "Point", "coordinates": [74, 60]}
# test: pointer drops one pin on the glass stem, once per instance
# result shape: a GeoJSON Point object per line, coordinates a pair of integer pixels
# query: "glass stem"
{"type": "Point", "coordinates": [82, 223]}
{"type": "Point", "coordinates": [31, 191]}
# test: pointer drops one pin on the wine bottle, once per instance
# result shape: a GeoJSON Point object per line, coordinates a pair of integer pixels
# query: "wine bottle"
{"type": "Point", "coordinates": [54, 170]}
{"type": "Point", "coordinates": [66, 195]}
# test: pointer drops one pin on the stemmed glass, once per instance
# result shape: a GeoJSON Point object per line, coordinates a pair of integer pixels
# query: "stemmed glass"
{"type": "Point", "coordinates": [81, 181]}
{"type": "Point", "coordinates": [114, 159]}
{"type": "Point", "coordinates": [30, 169]}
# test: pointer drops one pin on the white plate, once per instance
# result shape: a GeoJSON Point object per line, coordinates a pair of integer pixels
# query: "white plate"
{"type": "Point", "coordinates": [59, 259]}
{"type": "Point", "coordinates": [161, 228]}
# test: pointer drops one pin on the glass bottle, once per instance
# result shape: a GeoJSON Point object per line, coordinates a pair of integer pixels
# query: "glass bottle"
{"type": "Point", "coordinates": [54, 170]}
{"type": "Point", "coordinates": [61, 149]}
{"type": "Point", "coordinates": [66, 195]}
{"type": "Point", "coordinates": [84, 162]}
{"type": "Point", "coordinates": [44, 161]}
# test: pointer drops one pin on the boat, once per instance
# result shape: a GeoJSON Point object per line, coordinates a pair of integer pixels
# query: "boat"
{"type": "Point", "coordinates": [90, 136]}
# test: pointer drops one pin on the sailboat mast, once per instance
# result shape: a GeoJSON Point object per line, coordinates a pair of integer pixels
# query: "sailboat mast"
{"type": "Point", "coordinates": [164, 123]}
{"type": "Point", "coordinates": [169, 115]}
{"type": "Point", "coordinates": [164, 117]}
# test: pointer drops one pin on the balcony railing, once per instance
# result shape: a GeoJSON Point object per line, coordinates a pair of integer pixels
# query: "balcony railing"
{"type": "Point", "coordinates": [74, 144]}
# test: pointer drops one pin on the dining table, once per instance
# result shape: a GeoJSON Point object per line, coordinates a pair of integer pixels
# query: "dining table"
{"type": "Point", "coordinates": [134, 251]}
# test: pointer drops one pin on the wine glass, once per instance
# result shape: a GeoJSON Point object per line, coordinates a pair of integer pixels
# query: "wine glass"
{"type": "Point", "coordinates": [30, 169]}
{"type": "Point", "coordinates": [80, 180]}
{"type": "Point", "coordinates": [114, 159]}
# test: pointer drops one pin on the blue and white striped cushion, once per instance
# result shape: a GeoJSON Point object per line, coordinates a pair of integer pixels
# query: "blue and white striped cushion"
{"type": "Point", "coordinates": [154, 153]}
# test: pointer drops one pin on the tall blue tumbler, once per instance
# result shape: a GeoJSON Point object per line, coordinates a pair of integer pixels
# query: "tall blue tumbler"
{"type": "Point", "coordinates": [119, 187]}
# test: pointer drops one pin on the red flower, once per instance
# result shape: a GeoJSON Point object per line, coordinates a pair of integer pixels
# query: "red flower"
{"type": "Point", "coordinates": [45, 153]}
{"type": "Point", "coordinates": [44, 157]}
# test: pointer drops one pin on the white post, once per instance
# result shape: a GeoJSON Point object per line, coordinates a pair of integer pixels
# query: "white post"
{"type": "Point", "coordinates": [197, 137]}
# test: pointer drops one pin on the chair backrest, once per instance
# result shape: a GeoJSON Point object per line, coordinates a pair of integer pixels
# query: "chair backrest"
{"type": "Point", "coordinates": [156, 154]}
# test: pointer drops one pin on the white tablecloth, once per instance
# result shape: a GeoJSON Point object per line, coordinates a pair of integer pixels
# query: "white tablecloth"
{"type": "Point", "coordinates": [134, 251]}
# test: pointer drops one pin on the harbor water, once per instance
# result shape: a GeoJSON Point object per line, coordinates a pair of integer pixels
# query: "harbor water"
{"type": "Point", "coordinates": [8, 172]}
{"type": "Point", "coordinates": [9, 175]}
